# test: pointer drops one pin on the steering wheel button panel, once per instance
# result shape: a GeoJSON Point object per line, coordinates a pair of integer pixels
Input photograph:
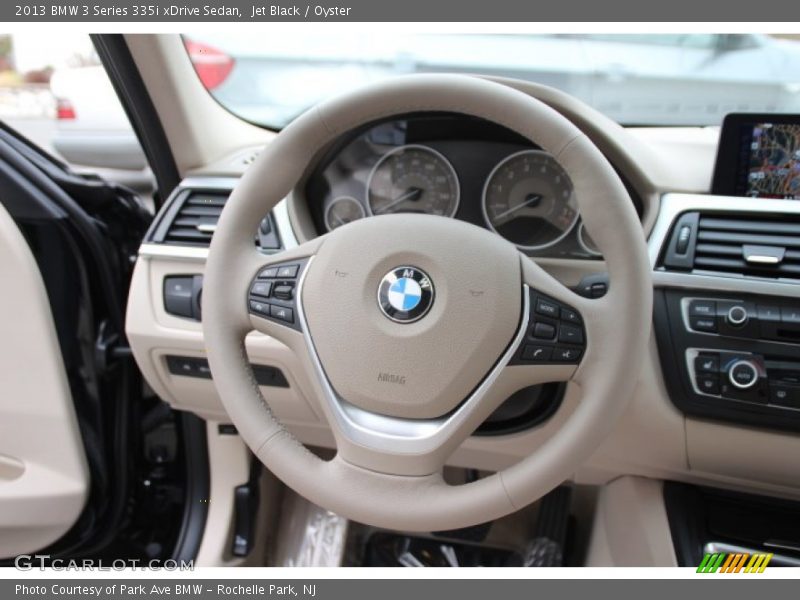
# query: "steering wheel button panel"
{"type": "Point", "coordinates": [274, 299]}
{"type": "Point", "coordinates": [556, 333]}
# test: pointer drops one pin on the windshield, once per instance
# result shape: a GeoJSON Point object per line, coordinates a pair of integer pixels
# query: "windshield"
{"type": "Point", "coordinates": [661, 79]}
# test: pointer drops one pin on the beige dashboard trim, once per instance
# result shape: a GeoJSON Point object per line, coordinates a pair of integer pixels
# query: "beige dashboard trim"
{"type": "Point", "coordinates": [651, 414]}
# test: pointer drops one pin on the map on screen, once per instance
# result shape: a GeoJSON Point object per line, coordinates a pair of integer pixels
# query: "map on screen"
{"type": "Point", "coordinates": [774, 168]}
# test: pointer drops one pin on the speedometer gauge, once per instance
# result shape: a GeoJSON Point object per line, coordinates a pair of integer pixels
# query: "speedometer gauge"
{"type": "Point", "coordinates": [528, 199]}
{"type": "Point", "coordinates": [413, 179]}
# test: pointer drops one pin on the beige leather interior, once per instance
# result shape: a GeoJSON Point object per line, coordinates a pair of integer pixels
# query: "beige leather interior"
{"type": "Point", "coordinates": [651, 441]}
{"type": "Point", "coordinates": [43, 473]}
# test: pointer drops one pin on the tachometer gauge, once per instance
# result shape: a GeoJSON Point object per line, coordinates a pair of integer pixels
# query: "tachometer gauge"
{"type": "Point", "coordinates": [528, 199]}
{"type": "Point", "coordinates": [341, 211]}
{"type": "Point", "coordinates": [413, 179]}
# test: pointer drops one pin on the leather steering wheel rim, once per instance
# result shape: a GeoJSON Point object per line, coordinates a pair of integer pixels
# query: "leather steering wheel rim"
{"type": "Point", "coordinates": [400, 486]}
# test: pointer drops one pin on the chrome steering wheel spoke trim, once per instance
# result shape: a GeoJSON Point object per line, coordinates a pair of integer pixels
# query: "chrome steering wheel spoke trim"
{"type": "Point", "coordinates": [400, 436]}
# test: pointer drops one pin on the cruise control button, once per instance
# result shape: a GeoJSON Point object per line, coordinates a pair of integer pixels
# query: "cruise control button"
{"type": "Point", "coordinates": [708, 324]}
{"type": "Point", "coordinates": [570, 334]}
{"type": "Point", "coordinates": [706, 363]}
{"type": "Point", "coordinates": [544, 331]}
{"type": "Point", "coordinates": [708, 384]}
{"type": "Point", "coordinates": [567, 354]}
{"type": "Point", "coordinates": [703, 308]}
{"type": "Point", "coordinates": [546, 308]}
{"type": "Point", "coordinates": [282, 313]}
{"type": "Point", "coordinates": [570, 315]}
{"type": "Point", "coordinates": [268, 273]}
{"type": "Point", "coordinates": [537, 353]}
{"type": "Point", "coordinates": [261, 308]}
{"type": "Point", "coordinates": [289, 271]}
{"type": "Point", "coordinates": [261, 288]}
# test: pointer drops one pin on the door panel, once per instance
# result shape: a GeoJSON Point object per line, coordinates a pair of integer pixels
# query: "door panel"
{"type": "Point", "coordinates": [44, 477]}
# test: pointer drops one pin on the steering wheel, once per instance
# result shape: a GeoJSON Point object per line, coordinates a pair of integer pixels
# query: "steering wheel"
{"type": "Point", "coordinates": [412, 329]}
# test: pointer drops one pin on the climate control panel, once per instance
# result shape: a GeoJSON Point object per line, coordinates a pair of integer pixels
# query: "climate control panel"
{"type": "Point", "coordinates": [731, 357]}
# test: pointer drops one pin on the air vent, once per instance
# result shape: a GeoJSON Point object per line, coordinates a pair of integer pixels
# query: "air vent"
{"type": "Point", "coordinates": [737, 245]}
{"type": "Point", "coordinates": [191, 216]}
{"type": "Point", "coordinates": [196, 219]}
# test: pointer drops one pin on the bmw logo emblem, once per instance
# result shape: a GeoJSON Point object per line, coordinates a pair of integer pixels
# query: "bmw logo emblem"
{"type": "Point", "coordinates": [405, 294]}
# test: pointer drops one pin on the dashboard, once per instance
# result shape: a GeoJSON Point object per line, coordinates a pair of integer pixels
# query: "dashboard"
{"type": "Point", "coordinates": [453, 167]}
{"type": "Point", "coordinates": [690, 420]}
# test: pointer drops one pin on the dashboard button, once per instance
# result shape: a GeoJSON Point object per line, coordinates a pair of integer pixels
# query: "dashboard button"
{"type": "Point", "coordinates": [703, 308]}
{"type": "Point", "coordinates": [178, 295]}
{"type": "Point", "coordinates": [570, 315]}
{"type": "Point", "coordinates": [706, 363]}
{"type": "Point", "coordinates": [790, 315]}
{"type": "Point", "coordinates": [261, 288]}
{"type": "Point", "coordinates": [546, 308]}
{"type": "Point", "coordinates": [537, 353]}
{"type": "Point", "coordinates": [706, 324]}
{"type": "Point", "coordinates": [768, 313]}
{"type": "Point", "coordinates": [268, 273]}
{"type": "Point", "coordinates": [570, 334]}
{"type": "Point", "coordinates": [784, 394]}
{"type": "Point", "coordinates": [282, 313]}
{"type": "Point", "coordinates": [289, 271]}
{"type": "Point", "coordinates": [708, 384]}
{"type": "Point", "coordinates": [181, 365]}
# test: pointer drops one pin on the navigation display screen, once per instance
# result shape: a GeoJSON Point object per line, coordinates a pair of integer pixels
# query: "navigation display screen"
{"type": "Point", "coordinates": [759, 157]}
{"type": "Point", "coordinates": [774, 166]}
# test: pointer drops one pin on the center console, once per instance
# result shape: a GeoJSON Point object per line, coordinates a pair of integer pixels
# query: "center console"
{"type": "Point", "coordinates": [726, 267]}
{"type": "Point", "coordinates": [736, 356]}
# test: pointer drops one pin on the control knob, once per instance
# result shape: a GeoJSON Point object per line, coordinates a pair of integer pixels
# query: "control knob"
{"type": "Point", "coordinates": [743, 374]}
{"type": "Point", "coordinates": [737, 316]}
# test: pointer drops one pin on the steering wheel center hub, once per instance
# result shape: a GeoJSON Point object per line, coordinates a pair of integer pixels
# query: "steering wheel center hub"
{"type": "Point", "coordinates": [445, 311]}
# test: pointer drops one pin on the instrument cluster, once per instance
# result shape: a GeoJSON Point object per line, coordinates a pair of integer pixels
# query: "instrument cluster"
{"type": "Point", "coordinates": [455, 167]}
